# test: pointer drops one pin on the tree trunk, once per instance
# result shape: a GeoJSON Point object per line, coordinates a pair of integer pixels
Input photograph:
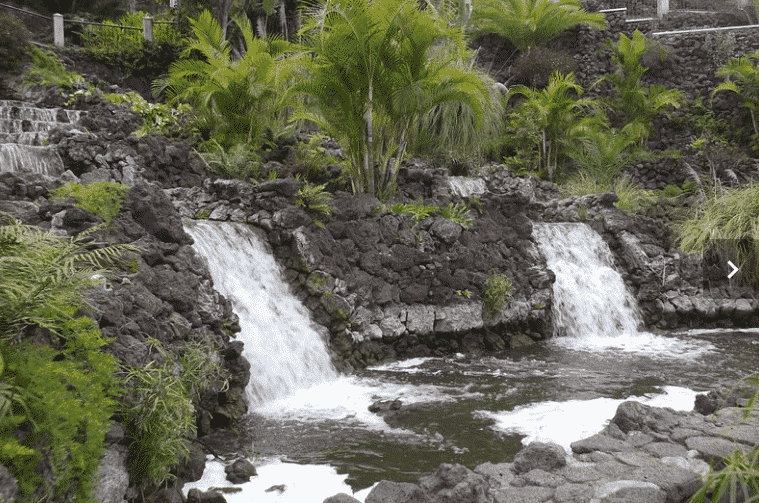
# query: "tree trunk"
{"type": "Point", "coordinates": [283, 19]}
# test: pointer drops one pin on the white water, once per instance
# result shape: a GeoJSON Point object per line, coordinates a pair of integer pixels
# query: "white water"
{"type": "Point", "coordinates": [464, 186]}
{"type": "Point", "coordinates": [15, 157]}
{"type": "Point", "coordinates": [285, 353]}
{"type": "Point", "coordinates": [592, 308]}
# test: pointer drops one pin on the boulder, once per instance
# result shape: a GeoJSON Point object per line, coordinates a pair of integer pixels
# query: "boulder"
{"type": "Point", "coordinates": [600, 442]}
{"type": "Point", "coordinates": [573, 493]}
{"type": "Point", "coordinates": [8, 485]}
{"type": "Point", "coordinates": [454, 483]}
{"type": "Point", "coordinates": [197, 496]}
{"type": "Point", "coordinates": [341, 498]}
{"type": "Point", "coordinates": [396, 492]}
{"type": "Point", "coordinates": [635, 416]}
{"type": "Point", "coordinates": [240, 471]}
{"type": "Point", "coordinates": [545, 456]}
{"type": "Point", "coordinates": [112, 478]}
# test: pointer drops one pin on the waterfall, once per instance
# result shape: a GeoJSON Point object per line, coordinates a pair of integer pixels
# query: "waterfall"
{"type": "Point", "coordinates": [284, 351]}
{"type": "Point", "coordinates": [590, 298]}
{"type": "Point", "coordinates": [16, 157]}
{"type": "Point", "coordinates": [464, 186]}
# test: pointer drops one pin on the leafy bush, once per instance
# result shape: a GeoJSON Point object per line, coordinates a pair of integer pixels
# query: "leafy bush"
{"type": "Point", "coordinates": [531, 23]}
{"type": "Point", "coordinates": [498, 290]}
{"type": "Point", "coordinates": [111, 40]}
{"type": "Point", "coordinates": [631, 198]}
{"type": "Point", "coordinates": [14, 38]}
{"type": "Point", "coordinates": [535, 67]}
{"type": "Point", "coordinates": [56, 400]}
{"type": "Point", "coordinates": [311, 159]}
{"type": "Point", "coordinates": [742, 76]}
{"type": "Point", "coordinates": [101, 198]}
{"type": "Point", "coordinates": [156, 117]}
{"type": "Point", "coordinates": [239, 162]}
{"type": "Point", "coordinates": [458, 213]}
{"type": "Point", "coordinates": [158, 409]}
{"type": "Point", "coordinates": [46, 69]}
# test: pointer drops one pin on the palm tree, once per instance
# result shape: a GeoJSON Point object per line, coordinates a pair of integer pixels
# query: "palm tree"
{"type": "Point", "coordinates": [375, 73]}
{"type": "Point", "coordinates": [531, 23]}
{"type": "Point", "coordinates": [556, 112]}
{"type": "Point", "coordinates": [236, 98]}
{"type": "Point", "coordinates": [743, 79]}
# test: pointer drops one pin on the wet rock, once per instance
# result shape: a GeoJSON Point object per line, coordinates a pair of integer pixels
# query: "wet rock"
{"type": "Point", "coordinates": [341, 498]}
{"type": "Point", "coordinates": [381, 406]}
{"type": "Point", "coordinates": [538, 477]}
{"type": "Point", "coordinates": [459, 318]}
{"type": "Point", "coordinates": [113, 477]}
{"type": "Point", "coordinates": [454, 483]}
{"type": "Point", "coordinates": [600, 442]}
{"type": "Point", "coordinates": [500, 474]}
{"type": "Point", "coordinates": [573, 493]}
{"type": "Point", "coordinates": [396, 492]}
{"type": "Point", "coordinates": [192, 468]}
{"type": "Point", "coordinates": [240, 471]}
{"type": "Point", "coordinates": [196, 496]}
{"type": "Point", "coordinates": [666, 449]}
{"type": "Point", "coordinates": [168, 495]}
{"type": "Point", "coordinates": [632, 415]}
{"type": "Point", "coordinates": [527, 494]}
{"type": "Point", "coordinates": [713, 448]}
{"type": "Point", "coordinates": [637, 495]}
{"type": "Point", "coordinates": [677, 482]}
{"type": "Point", "coordinates": [545, 456]}
{"type": "Point", "coordinates": [8, 485]}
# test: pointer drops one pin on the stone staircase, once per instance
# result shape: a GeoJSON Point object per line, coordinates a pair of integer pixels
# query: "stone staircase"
{"type": "Point", "coordinates": [24, 131]}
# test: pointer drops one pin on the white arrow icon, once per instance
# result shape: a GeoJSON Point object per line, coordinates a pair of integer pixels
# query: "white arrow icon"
{"type": "Point", "coordinates": [735, 269]}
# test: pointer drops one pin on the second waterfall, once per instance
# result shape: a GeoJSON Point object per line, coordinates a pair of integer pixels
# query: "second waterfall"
{"type": "Point", "coordinates": [284, 350]}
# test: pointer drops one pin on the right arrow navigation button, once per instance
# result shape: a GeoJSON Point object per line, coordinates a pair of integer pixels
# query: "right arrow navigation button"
{"type": "Point", "coordinates": [735, 269]}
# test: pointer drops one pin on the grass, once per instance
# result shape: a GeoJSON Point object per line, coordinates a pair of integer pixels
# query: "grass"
{"type": "Point", "coordinates": [101, 198]}
{"type": "Point", "coordinates": [46, 69]}
{"type": "Point", "coordinates": [720, 222]}
{"type": "Point", "coordinates": [632, 198]}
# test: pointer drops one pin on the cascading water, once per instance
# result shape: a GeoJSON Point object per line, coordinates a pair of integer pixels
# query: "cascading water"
{"type": "Point", "coordinates": [285, 352]}
{"type": "Point", "coordinates": [464, 186]}
{"type": "Point", "coordinates": [592, 308]}
{"type": "Point", "coordinates": [16, 158]}
{"type": "Point", "coordinates": [590, 298]}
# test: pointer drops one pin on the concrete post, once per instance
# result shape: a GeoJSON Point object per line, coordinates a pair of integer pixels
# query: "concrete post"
{"type": "Point", "coordinates": [662, 8]}
{"type": "Point", "coordinates": [58, 30]}
{"type": "Point", "coordinates": [147, 28]}
{"type": "Point", "coordinates": [174, 4]}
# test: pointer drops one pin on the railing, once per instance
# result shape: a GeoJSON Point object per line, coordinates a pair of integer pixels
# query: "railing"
{"type": "Point", "coordinates": [59, 21]}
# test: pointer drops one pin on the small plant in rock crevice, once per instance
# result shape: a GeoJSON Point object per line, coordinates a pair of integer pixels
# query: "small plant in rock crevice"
{"type": "Point", "coordinates": [101, 198]}
{"type": "Point", "coordinates": [497, 291]}
{"type": "Point", "coordinates": [314, 198]}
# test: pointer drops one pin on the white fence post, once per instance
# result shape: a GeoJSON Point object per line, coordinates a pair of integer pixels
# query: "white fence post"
{"type": "Point", "coordinates": [173, 4]}
{"type": "Point", "coordinates": [147, 28]}
{"type": "Point", "coordinates": [58, 30]}
{"type": "Point", "coordinates": [662, 8]}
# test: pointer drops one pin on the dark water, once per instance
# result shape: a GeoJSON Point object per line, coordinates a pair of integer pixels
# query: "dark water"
{"type": "Point", "coordinates": [444, 417]}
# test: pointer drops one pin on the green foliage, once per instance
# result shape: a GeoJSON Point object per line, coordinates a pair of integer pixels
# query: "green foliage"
{"type": "Point", "coordinates": [157, 118]}
{"type": "Point", "coordinates": [311, 159]}
{"type": "Point", "coordinates": [313, 198]}
{"type": "Point", "coordinates": [14, 38]}
{"type": "Point", "coordinates": [602, 152]}
{"type": "Point", "coordinates": [672, 191]}
{"type": "Point", "coordinates": [46, 69]}
{"type": "Point", "coordinates": [158, 407]}
{"type": "Point", "coordinates": [376, 71]}
{"type": "Point", "coordinates": [101, 198]}
{"type": "Point", "coordinates": [742, 77]}
{"type": "Point", "coordinates": [498, 290]}
{"type": "Point", "coordinates": [720, 47]}
{"type": "Point", "coordinates": [44, 276]}
{"type": "Point", "coordinates": [235, 99]}
{"type": "Point", "coordinates": [634, 101]}
{"type": "Point", "coordinates": [417, 210]}
{"type": "Point", "coordinates": [727, 217]}
{"type": "Point", "coordinates": [60, 398]}
{"type": "Point", "coordinates": [110, 40]}
{"type": "Point", "coordinates": [632, 198]}
{"type": "Point", "coordinates": [531, 23]}
{"type": "Point", "coordinates": [549, 116]}
{"type": "Point", "coordinates": [536, 66]}
{"type": "Point", "coordinates": [458, 213]}
{"type": "Point", "coordinates": [239, 161]}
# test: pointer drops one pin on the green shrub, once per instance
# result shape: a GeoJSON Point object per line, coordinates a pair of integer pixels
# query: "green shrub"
{"type": "Point", "coordinates": [56, 400]}
{"type": "Point", "coordinates": [458, 213]}
{"type": "Point", "coordinates": [311, 159]}
{"type": "Point", "coordinates": [14, 38]}
{"type": "Point", "coordinates": [239, 162]}
{"type": "Point", "coordinates": [46, 69]}
{"type": "Point", "coordinates": [535, 67]}
{"type": "Point", "coordinates": [157, 118]}
{"type": "Point", "coordinates": [498, 291]}
{"type": "Point", "coordinates": [672, 191]}
{"type": "Point", "coordinates": [159, 412]}
{"type": "Point", "coordinates": [111, 40]}
{"type": "Point", "coordinates": [101, 198]}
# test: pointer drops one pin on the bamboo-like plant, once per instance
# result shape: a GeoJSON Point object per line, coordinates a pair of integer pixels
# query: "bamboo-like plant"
{"type": "Point", "coordinates": [372, 78]}
{"type": "Point", "coordinates": [235, 99]}
{"type": "Point", "coordinates": [742, 77]}
{"type": "Point", "coordinates": [531, 23]}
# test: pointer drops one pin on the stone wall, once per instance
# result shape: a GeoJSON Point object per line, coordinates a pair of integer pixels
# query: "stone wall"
{"type": "Point", "coordinates": [386, 286]}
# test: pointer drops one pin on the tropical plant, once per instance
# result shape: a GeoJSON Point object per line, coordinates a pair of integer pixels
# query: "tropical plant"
{"type": "Point", "coordinates": [374, 74]}
{"type": "Point", "coordinates": [555, 112]}
{"type": "Point", "coordinates": [742, 77]}
{"type": "Point", "coordinates": [458, 213]}
{"type": "Point", "coordinates": [726, 223]}
{"type": "Point", "coordinates": [235, 99]}
{"type": "Point", "coordinates": [634, 101]}
{"type": "Point", "coordinates": [531, 23]}
{"type": "Point", "coordinates": [631, 198]}
{"type": "Point", "coordinates": [314, 198]}
{"type": "Point", "coordinates": [600, 151]}
{"type": "Point", "coordinates": [43, 275]}
{"type": "Point", "coordinates": [239, 161]}
{"type": "Point", "coordinates": [47, 69]}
